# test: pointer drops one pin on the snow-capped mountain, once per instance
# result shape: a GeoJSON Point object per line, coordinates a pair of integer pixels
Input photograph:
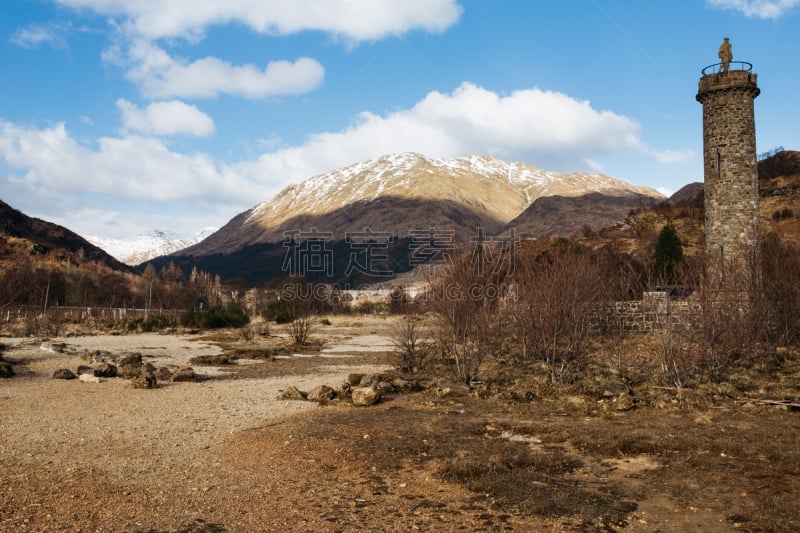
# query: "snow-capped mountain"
{"type": "Point", "coordinates": [146, 246]}
{"type": "Point", "coordinates": [400, 193]}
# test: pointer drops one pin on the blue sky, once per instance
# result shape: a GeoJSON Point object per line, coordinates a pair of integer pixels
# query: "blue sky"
{"type": "Point", "coordinates": [121, 116]}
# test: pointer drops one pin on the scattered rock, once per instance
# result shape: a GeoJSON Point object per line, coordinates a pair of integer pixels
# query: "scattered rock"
{"type": "Point", "coordinates": [6, 370]}
{"type": "Point", "coordinates": [131, 359]}
{"type": "Point", "coordinates": [163, 373]}
{"type": "Point", "coordinates": [516, 395]}
{"type": "Point", "coordinates": [405, 385]}
{"type": "Point", "coordinates": [89, 378]}
{"type": "Point", "coordinates": [106, 370]}
{"type": "Point", "coordinates": [292, 393]}
{"type": "Point", "coordinates": [365, 396]}
{"type": "Point", "coordinates": [426, 384]}
{"type": "Point", "coordinates": [98, 356]}
{"type": "Point", "coordinates": [55, 347]}
{"type": "Point", "coordinates": [614, 388]}
{"type": "Point", "coordinates": [321, 393]}
{"type": "Point", "coordinates": [130, 365]}
{"type": "Point", "coordinates": [447, 388]}
{"type": "Point", "coordinates": [355, 379]}
{"type": "Point", "coordinates": [63, 373]}
{"type": "Point", "coordinates": [85, 369]}
{"type": "Point", "coordinates": [624, 402]}
{"type": "Point", "coordinates": [384, 387]}
{"type": "Point", "coordinates": [145, 380]}
{"type": "Point", "coordinates": [371, 380]}
{"type": "Point", "coordinates": [210, 360]}
{"type": "Point", "coordinates": [185, 374]}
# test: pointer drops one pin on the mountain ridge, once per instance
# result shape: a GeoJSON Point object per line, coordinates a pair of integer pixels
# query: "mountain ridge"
{"type": "Point", "coordinates": [492, 191]}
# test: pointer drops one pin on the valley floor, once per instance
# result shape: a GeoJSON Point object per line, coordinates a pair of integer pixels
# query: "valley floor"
{"type": "Point", "coordinates": [224, 454]}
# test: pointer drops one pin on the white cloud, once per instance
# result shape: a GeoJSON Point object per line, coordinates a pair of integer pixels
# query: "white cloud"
{"type": "Point", "coordinates": [133, 219]}
{"type": "Point", "coordinates": [764, 9]}
{"type": "Point", "coordinates": [593, 165]}
{"type": "Point", "coordinates": [165, 118]}
{"type": "Point", "coordinates": [665, 191]}
{"type": "Point", "coordinates": [353, 20]}
{"type": "Point", "coordinates": [162, 76]}
{"type": "Point", "coordinates": [129, 168]}
{"type": "Point", "coordinates": [139, 24]}
{"type": "Point", "coordinates": [37, 34]}
{"type": "Point", "coordinates": [671, 157]}
{"type": "Point", "coordinates": [549, 129]}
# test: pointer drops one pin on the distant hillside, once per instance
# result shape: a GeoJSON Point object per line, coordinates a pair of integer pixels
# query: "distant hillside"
{"type": "Point", "coordinates": [779, 205]}
{"type": "Point", "coordinates": [565, 216]}
{"type": "Point", "coordinates": [44, 237]}
{"type": "Point", "coordinates": [779, 185]}
{"type": "Point", "coordinates": [785, 163]}
{"type": "Point", "coordinates": [690, 195]}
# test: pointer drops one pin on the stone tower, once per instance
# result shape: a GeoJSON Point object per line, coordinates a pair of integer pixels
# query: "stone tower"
{"type": "Point", "coordinates": [727, 91]}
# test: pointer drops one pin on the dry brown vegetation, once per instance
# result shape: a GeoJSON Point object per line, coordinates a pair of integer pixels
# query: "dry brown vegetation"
{"type": "Point", "coordinates": [519, 452]}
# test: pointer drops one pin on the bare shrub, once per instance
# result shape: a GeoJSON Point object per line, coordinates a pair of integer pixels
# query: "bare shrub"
{"type": "Point", "coordinates": [465, 304]}
{"type": "Point", "coordinates": [727, 325]}
{"type": "Point", "coordinates": [677, 352]}
{"type": "Point", "coordinates": [300, 329]}
{"type": "Point", "coordinates": [776, 299]}
{"type": "Point", "coordinates": [411, 346]}
{"type": "Point", "coordinates": [246, 333]}
{"type": "Point", "coordinates": [734, 316]}
{"type": "Point", "coordinates": [13, 283]}
{"type": "Point", "coordinates": [558, 291]}
{"type": "Point", "coordinates": [48, 323]}
{"type": "Point", "coordinates": [304, 320]}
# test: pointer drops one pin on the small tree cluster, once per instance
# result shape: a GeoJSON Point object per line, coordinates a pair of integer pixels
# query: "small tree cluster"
{"type": "Point", "coordinates": [537, 310]}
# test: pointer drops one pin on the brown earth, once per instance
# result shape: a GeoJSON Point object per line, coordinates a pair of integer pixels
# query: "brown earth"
{"type": "Point", "coordinates": [224, 454]}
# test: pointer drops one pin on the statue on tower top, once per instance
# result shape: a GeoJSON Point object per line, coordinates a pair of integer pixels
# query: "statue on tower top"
{"type": "Point", "coordinates": [725, 55]}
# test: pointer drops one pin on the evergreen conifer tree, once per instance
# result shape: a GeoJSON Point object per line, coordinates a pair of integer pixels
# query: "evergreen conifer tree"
{"type": "Point", "coordinates": [669, 255]}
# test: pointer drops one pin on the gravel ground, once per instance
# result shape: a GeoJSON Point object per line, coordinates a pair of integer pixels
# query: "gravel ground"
{"type": "Point", "coordinates": [108, 457]}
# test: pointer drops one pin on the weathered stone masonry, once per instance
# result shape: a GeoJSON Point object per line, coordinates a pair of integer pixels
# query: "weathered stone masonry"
{"type": "Point", "coordinates": [654, 312]}
{"type": "Point", "coordinates": [731, 178]}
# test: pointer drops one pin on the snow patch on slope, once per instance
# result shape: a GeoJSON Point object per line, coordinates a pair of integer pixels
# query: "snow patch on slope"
{"type": "Point", "coordinates": [149, 245]}
{"type": "Point", "coordinates": [389, 174]}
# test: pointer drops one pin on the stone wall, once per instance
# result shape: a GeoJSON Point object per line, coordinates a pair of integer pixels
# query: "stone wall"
{"type": "Point", "coordinates": [652, 313]}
